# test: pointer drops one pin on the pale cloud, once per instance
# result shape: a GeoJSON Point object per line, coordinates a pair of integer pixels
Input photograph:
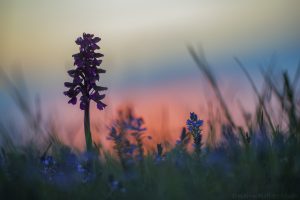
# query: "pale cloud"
{"type": "Point", "coordinates": [40, 31]}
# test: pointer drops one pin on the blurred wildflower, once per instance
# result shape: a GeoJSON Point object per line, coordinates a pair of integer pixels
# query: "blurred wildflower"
{"type": "Point", "coordinates": [80, 168]}
{"type": "Point", "coordinates": [115, 185]}
{"type": "Point", "coordinates": [85, 76]}
{"type": "Point", "coordinates": [133, 123]}
{"type": "Point", "coordinates": [122, 146]}
{"type": "Point", "coordinates": [139, 141]}
{"type": "Point", "coordinates": [48, 161]}
{"type": "Point", "coordinates": [194, 125]}
{"type": "Point", "coordinates": [125, 126]}
{"type": "Point", "coordinates": [86, 175]}
{"type": "Point", "coordinates": [130, 148]}
{"type": "Point", "coordinates": [48, 167]}
{"type": "Point", "coordinates": [114, 136]}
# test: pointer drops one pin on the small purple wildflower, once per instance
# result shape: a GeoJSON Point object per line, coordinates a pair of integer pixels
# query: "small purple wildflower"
{"type": "Point", "coordinates": [194, 125]}
{"type": "Point", "coordinates": [115, 185]}
{"type": "Point", "coordinates": [85, 77]}
{"type": "Point", "coordinates": [84, 168]}
{"type": "Point", "coordinates": [80, 168]}
{"type": "Point", "coordinates": [48, 161]}
{"type": "Point", "coordinates": [49, 168]}
{"type": "Point", "coordinates": [132, 148]}
{"type": "Point", "coordinates": [86, 74]}
{"type": "Point", "coordinates": [114, 135]}
{"type": "Point", "coordinates": [134, 124]}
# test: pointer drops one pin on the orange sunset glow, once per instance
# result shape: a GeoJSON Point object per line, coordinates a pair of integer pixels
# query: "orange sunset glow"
{"type": "Point", "coordinates": [146, 49]}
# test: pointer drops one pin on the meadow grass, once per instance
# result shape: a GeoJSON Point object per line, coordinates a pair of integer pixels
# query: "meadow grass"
{"type": "Point", "coordinates": [258, 161]}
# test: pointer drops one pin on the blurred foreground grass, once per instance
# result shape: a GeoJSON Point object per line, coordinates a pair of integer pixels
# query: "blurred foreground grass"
{"type": "Point", "coordinates": [258, 161]}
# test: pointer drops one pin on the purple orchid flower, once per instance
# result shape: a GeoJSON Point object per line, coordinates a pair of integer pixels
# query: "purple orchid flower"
{"type": "Point", "coordinates": [85, 77]}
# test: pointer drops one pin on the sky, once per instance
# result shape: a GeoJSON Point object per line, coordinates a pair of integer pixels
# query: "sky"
{"type": "Point", "coordinates": [145, 47]}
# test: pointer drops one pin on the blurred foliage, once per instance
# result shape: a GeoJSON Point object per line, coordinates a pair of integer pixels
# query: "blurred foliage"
{"type": "Point", "coordinates": [260, 160]}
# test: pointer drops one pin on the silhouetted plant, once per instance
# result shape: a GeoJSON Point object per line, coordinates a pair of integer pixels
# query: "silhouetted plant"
{"type": "Point", "coordinates": [118, 140]}
{"type": "Point", "coordinates": [127, 150]}
{"type": "Point", "coordinates": [85, 78]}
{"type": "Point", "coordinates": [193, 125]}
{"type": "Point", "coordinates": [135, 126]}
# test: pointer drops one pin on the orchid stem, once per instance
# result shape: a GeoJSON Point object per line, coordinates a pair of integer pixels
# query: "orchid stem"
{"type": "Point", "coordinates": [87, 129]}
